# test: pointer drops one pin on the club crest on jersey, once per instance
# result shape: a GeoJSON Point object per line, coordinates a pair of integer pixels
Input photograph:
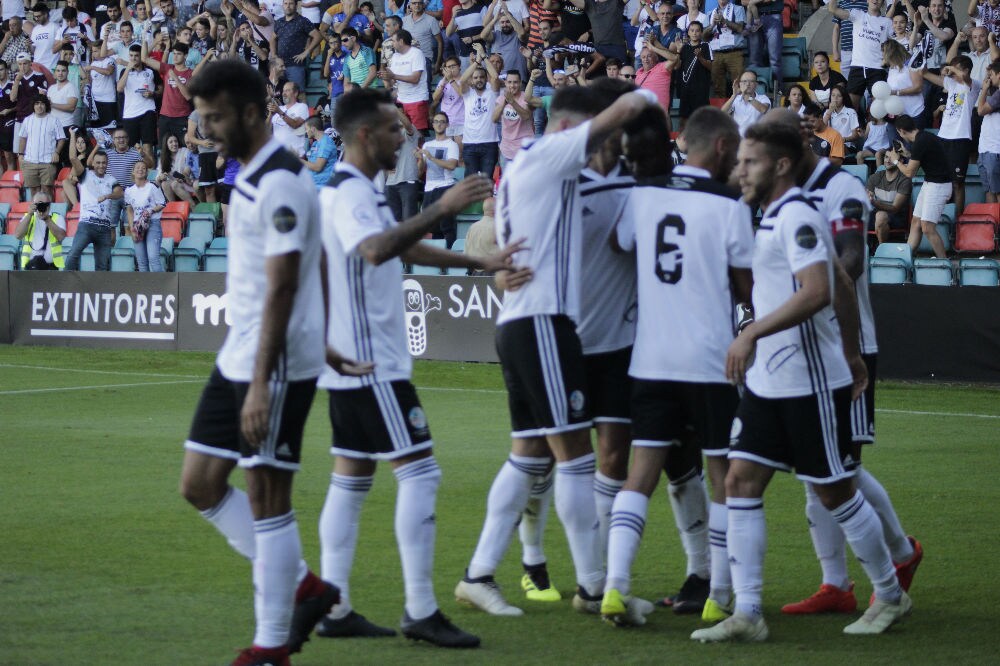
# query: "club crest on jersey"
{"type": "Point", "coordinates": [417, 418]}
{"type": "Point", "coordinates": [805, 237]}
{"type": "Point", "coordinates": [284, 219]}
{"type": "Point", "coordinates": [576, 401]}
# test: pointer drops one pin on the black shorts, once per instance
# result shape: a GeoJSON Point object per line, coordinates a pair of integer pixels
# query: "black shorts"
{"type": "Point", "coordinates": [574, 25]}
{"type": "Point", "coordinates": [863, 78]}
{"type": "Point", "coordinates": [608, 385]}
{"type": "Point", "coordinates": [208, 173]}
{"type": "Point", "coordinates": [667, 413]}
{"type": "Point", "coordinates": [543, 370]}
{"type": "Point", "coordinates": [897, 221]}
{"type": "Point", "coordinates": [7, 140]}
{"type": "Point", "coordinates": [810, 434]}
{"type": "Point", "coordinates": [215, 429]}
{"type": "Point", "coordinates": [223, 192]}
{"type": "Point", "coordinates": [378, 422]}
{"type": "Point", "coordinates": [958, 152]}
{"type": "Point", "coordinates": [107, 114]}
{"type": "Point", "coordinates": [863, 409]}
{"type": "Point", "coordinates": [141, 129]}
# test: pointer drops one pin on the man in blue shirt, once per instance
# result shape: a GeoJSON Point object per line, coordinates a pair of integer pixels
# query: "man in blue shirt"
{"type": "Point", "coordinates": [333, 69]}
{"type": "Point", "coordinates": [322, 153]}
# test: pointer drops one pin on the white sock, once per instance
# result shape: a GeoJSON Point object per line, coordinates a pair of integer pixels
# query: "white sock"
{"type": "Point", "coordinates": [747, 542]}
{"type": "Point", "coordinates": [575, 506]}
{"type": "Point", "coordinates": [864, 532]}
{"type": "Point", "coordinates": [628, 520]}
{"type": "Point", "coordinates": [534, 518]}
{"type": "Point", "coordinates": [338, 533]}
{"type": "Point", "coordinates": [605, 490]}
{"type": "Point", "coordinates": [234, 519]}
{"type": "Point", "coordinates": [507, 499]}
{"type": "Point", "coordinates": [275, 570]}
{"type": "Point", "coordinates": [722, 580]}
{"type": "Point", "coordinates": [415, 530]}
{"type": "Point", "coordinates": [899, 544]}
{"type": "Point", "coordinates": [689, 501]}
{"type": "Point", "coordinates": [828, 542]}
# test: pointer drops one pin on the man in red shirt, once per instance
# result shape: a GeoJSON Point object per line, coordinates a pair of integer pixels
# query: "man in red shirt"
{"type": "Point", "coordinates": [176, 106]}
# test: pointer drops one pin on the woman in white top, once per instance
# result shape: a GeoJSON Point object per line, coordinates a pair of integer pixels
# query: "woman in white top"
{"type": "Point", "coordinates": [175, 175]}
{"type": "Point", "coordinates": [907, 83]}
{"type": "Point", "coordinates": [694, 14]}
{"type": "Point", "coordinates": [796, 98]}
{"type": "Point", "coordinates": [842, 117]}
{"type": "Point", "coordinates": [143, 203]}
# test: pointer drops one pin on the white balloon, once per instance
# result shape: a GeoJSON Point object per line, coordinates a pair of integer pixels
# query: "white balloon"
{"type": "Point", "coordinates": [894, 105]}
{"type": "Point", "coordinates": [878, 109]}
{"type": "Point", "coordinates": [881, 90]}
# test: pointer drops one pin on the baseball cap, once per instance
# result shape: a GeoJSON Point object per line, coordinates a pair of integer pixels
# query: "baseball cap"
{"type": "Point", "coordinates": [23, 57]}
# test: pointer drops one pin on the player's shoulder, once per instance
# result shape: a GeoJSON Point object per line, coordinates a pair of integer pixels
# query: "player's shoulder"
{"type": "Point", "coordinates": [793, 207]}
{"type": "Point", "coordinates": [708, 187]}
{"type": "Point", "coordinates": [279, 169]}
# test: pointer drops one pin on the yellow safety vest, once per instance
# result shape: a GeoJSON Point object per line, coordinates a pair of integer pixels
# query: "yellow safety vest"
{"type": "Point", "coordinates": [26, 249]}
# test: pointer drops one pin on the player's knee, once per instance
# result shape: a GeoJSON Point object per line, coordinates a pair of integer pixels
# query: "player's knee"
{"type": "Point", "coordinates": [199, 492]}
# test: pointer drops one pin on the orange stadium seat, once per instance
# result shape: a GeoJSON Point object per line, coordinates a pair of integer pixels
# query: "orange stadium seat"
{"type": "Point", "coordinates": [17, 211]}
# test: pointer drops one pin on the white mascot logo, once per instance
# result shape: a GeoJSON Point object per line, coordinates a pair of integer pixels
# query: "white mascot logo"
{"type": "Point", "coordinates": [417, 306]}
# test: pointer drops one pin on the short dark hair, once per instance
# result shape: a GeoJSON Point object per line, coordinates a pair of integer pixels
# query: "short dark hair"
{"type": "Point", "coordinates": [63, 63]}
{"type": "Point", "coordinates": [905, 123]}
{"type": "Point", "coordinates": [203, 22]}
{"type": "Point", "coordinates": [241, 83]}
{"type": "Point", "coordinates": [811, 110]}
{"type": "Point", "coordinates": [100, 152]}
{"type": "Point", "coordinates": [314, 122]}
{"type": "Point", "coordinates": [44, 100]}
{"type": "Point", "coordinates": [779, 140]}
{"type": "Point", "coordinates": [40, 7]}
{"type": "Point", "coordinates": [69, 13]}
{"type": "Point", "coordinates": [135, 48]}
{"type": "Point", "coordinates": [612, 62]}
{"type": "Point", "coordinates": [608, 90]}
{"type": "Point", "coordinates": [697, 23]}
{"type": "Point", "coordinates": [706, 125]}
{"type": "Point", "coordinates": [404, 36]}
{"type": "Point", "coordinates": [963, 62]}
{"type": "Point", "coordinates": [349, 31]}
{"type": "Point", "coordinates": [394, 19]}
{"type": "Point", "coordinates": [180, 47]}
{"type": "Point", "coordinates": [575, 99]}
{"type": "Point", "coordinates": [357, 107]}
{"type": "Point", "coordinates": [514, 72]}
{"type": "Point", "coordinates": [822, 53]}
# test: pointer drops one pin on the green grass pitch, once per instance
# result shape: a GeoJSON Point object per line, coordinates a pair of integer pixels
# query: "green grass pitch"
{"type": "Point", "coordinates": [102, 562]}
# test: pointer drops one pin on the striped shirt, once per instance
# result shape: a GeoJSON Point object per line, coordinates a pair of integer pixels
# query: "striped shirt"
{"type": "Point", "coordinates": [120, 165]}
{"type": "Point", "coordinates": [357, 65]}
{"type": "Point", "coordinates": [537, 14]}
{"type": "Point", "coordinates": [42, 134]}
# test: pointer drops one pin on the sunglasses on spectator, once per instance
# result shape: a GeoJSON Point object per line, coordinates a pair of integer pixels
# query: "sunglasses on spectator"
{"type": "Point", "coordinates": [628, 76]}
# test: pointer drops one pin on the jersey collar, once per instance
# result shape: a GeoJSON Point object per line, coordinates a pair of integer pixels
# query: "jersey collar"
{"type": "Point", "coordinates": [265, 152]}
{"type": "Point", "coordinates": [821, 166]}
{"type": "Point", "coordinates": [780, 201]}
{"type": "Point", "coordinates": [686, 170]}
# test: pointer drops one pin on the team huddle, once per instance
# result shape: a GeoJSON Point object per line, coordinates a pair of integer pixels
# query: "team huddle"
{"type": "Point", "coordinates": [638, 302]}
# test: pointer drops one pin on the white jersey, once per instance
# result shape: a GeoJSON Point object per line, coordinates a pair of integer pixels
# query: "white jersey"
{"type": "Point", "coordinates": [956, 122]}
{"type": "Point", "coordinates": [808, 358]}
{"type": "Point", "coordinates": [687, 232]}
{"type": "Point", "coordinates": [607, 281]}
{"type": "Point", "coordinates": [366, 302]}
{"type": "Point", "coordinates": [829, 187]}
{"type": "Point", "coordinates": [538, 202]}
{"type": "Point", "coordinates": [869, 33]}
{"type": "Point", "coordinates": [273, 211]}
{"type": "Point", "coordinates": [42, 38]}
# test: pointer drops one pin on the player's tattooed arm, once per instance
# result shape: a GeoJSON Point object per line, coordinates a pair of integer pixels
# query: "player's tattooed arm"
{"type": "Point", "coordinates": [845, 306]}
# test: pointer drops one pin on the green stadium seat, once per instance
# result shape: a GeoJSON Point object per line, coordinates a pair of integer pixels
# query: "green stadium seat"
{"type": "Point", "coordinates": [206, 207]}
{"type": "Point", "coordinates": [188, 254]}
{"type": "Point", "coordinates": [123, 255]}
{"type": "Point", "coordinates": [473, 209]}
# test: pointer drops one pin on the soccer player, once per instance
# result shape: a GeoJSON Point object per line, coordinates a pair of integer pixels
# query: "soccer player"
{"type": "Point", "coordinates": [539, 350]}
{"type": "Point", "coordinates": [254, 407]}
{"type": "Point", "coordinates": [692, 259]}
{"type": "Point", "coordinates": [795, 411]}
{"type": "Point", "coordinates": [379, 417]}
{"type": "Point", "coordinates": [842, 199]}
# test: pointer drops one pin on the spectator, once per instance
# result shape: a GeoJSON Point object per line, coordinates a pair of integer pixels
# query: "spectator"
{"type": "Point", "coordinates": [573, 21]}
{"type": "Point", "coordinates": [143, 203]}
{"type": "Point", "coordinates": [628, 73]}
{"type": "Point", "coordinates": [613, 68]}
{"type": "Point", "coordinates": [321, 155]}
{"type": "Point", "coordinates": [43, 37]}
{"type": "Point", "coordinates": [539, 12]}
{"type": "Point", "coordinates": [988, 108]}
{"type": "Point", "coordinates": [139, 112]}
{"type": "Point", "coordinates": [901, 30]}
{"type": "Point", "coordinates": [987, 15]}
{"type": "Point", "coordinates": [927, 152]}
{"type": "Point", "coordinates": [120, 160]}
{"type": "Point", "coordinates": [311, 11]}
{"type": "Point", "coordinates": [842, 37]}
{"type": "Point", "coordinates": [403, 189]}
{"type": "Point", "coordinates": [725, 31]}
{"type": "Point", "coordinates": [121, 46]}
{"type": "Point", "coordinates": [333, 70]}
{"type": "Point", "coordinates": [426, 35]}
{"type": "Point", "coordinates": [41, 138]}
{"type": "Point", "coordinates": [479, 84]}
{"type": "Point", "coordinates": [351, 17]}
{"type": "Point", "coordinates": [83, 17]}
{"type": "Point", "coordinates": [203, 39]}
{"type": "Point", "coordinates": [655, 75]}
{"type": "Point", "coordinates": [877, 141]}
{"type": "Point", "coordinates": [932, 34]}
{"type": "Point", "coordinates": [360, 61]}
{"type": "Point", "coordinates": [69, 184]}
{"type": "Point", "coordinates": [841, 117]}
{"type": "Point", "coordinates": [505, 33]}
{"type": "Point", "coordinates": [826, 142]}
{"type": "Point", "coordinates": [796, 98]}
{"type": "Point", "coordinates": [693, 14]}
{"type": "Point", "coordinates": [825, 79]}
{"type": "Point", "coordinates": [889, 192]}
{"type": "Point", "coordinates": [275, 77]}
{"type": "Point", "coordinates": [97, 189]}
{"type": "Point", "coordinates": [74, 35]}
{"type": "Point", "coordinates": [746, 105]}
{"type": "Point", "coordinates": [174, 177]}
{"type": "Point", "coordinates": [15, 41]}
{"type": "Point", "coordinates": [27, 86]}
{"type": "Point", "coordinates": [393, 25]}
{"type": "Point", "coordinates": [448, 98]}
{"type": "Point", "coordinates": [101, 71]}
{"type": "Point", "coordinates": [467, 23]}
{"type": "Point", "coordinates": [294, 39]}
{"type": "Point", "coordinates": [768, 40]}
{"type": "Point", "coordinates": [513, 112]}
{"type": "Point", "coordinates": [696, 72]}
{"type": "Point", "coordinates": [642, 22]}
{"type": "Point", "coordinates": [665, 37]}
{"type": "Point", "coordinates": [252, 49]}
{"type": "Point", "coordinates": [606, 28]}
{"type": "Point", "coordinates": [63, 97]}
{"type": "Point", "coordinates": [870, 30]}
{"type": "Point", "coordinates": [981, 53]}
{"type": "Point", "coordinates": [535, 59]}
{"type": "Point", "coordinates": [437, 159]}
{"type": "Point", "coordinates": [176, 104]}
{"type": "Point", "coordinates": [7, 110]}
{"type": "Point", "coordinates": [408, 71]}
{"type": "Point", "coordinates": [956, 123]}
{"type": "Point", "coordinates": [166, 17]}
{"type": "Point", "coordinates": [903, 81]}
{"type": "Point", "coordinates": [42, 232]}
{"type": "Point", "coordinates": [287, 119]}
{"type": "Point", "coordinates": [482, 235]}
{"type": "Point", "coordinates": [208, 173]}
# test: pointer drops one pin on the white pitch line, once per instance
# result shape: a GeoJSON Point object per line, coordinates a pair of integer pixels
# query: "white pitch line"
{"type": "Point", "coordinates": [96, 386]}
{"type": "Point", "coordinates": [123, 373]}
{"type": "Point", "coordinates": [961, 414]}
